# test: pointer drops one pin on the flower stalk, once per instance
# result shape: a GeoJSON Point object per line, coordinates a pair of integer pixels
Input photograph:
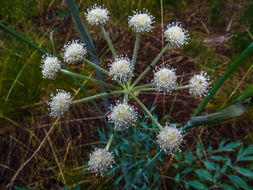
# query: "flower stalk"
{"type": "Point", "coordinates": [109, 42]}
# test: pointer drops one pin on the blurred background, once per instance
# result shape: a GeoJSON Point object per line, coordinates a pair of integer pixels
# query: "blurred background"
{"type": "Point", "coordinates": [219, 31]}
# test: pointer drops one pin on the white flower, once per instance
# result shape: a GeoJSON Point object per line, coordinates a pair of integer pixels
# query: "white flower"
{"type": "Point", "coordinates": [50, 66]}
{"type": "Point", "coordinates": [199, 84]}
{"type": "Point", "coordinates": [60, 103]}
{"type": "Point", "coordinates": [122, 115]}
{"type": "Point", "coordinates": [97, 15]}
{"type": "Point", "coordinates": [121, 69]}
{"type": "Point", "coordinates": [169, 138]}
{"type": "Point", "coordinates": [165, 79]}
{"type": "Point", "coordinates": [176, 35]}
{"type": "Point", "coordinates": [74, 52]}
{"type": "Point", "coordinates": [100, 161]}
{"type": "Point", "coordinates": [141, 22]}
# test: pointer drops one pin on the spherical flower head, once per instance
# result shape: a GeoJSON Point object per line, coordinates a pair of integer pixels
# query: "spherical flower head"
{"type": "Point", "coordinates": [121, 69]}
{"type": "Point", "coordinates": [169, 138]}
{"type": "Point", "coordinates": [141, 22]}
{"type": "Point", "coordinates": [50, 66]}
{"type": "Point", "coordinates": [165, 79]}
{"type": "Point", "coordinates": [122, 116]}
{"type": "Point", "coordinates": [74, 52]}
{"type": "Point", "coordinates": [97, 15]}
{"type": "Point", "coordinates": [176, 35]}
{"type": "Point", "coordinates": [199, 84]}
{"type": "Point", "coordinates": [100, 161]}
{"type": "Point", "coordinates": [60, 103]}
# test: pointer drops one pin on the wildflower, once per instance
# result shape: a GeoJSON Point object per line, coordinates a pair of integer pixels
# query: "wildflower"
{"type": "Point", "coordinates": [50, 66]}
{"type": "Point", "coordinates": [199, 84]}
{"type": "Point", "coordinates": [121, 69]}
{"type": "Point", "coordinates": [97, 15]}
{"type": "Point", "coordinates": [141, 22]}
{"type": "Point", "coordinates": [165, 79]}
{"type": "Point", "coordinates": [60, 103]}
{"type": "Point", "coordinates": [100, 161]}
{"type": "Point", "coordinates": [74, 51]}
{"type": "Point", "coordinates": [176, 35]}
{"type": "Point", "coordinates": [123, 116]}
{"type": "Point", "coordinates": [169, 138]}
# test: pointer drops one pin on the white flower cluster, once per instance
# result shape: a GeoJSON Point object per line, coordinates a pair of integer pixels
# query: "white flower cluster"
{"type": "Point", "coordinates": [121, 69]}
{"type": "Point", "coordinates": [50, 66]}
{"type": "Point", "coordinates": [141, 22]}
{"type": "Point", "coordinates": [176, 35]}
{"type": "Point", "coordinates": [100, 161]}
{"type": "Point", "coordinates": [199, 84]}
{"type": "Point", "coordinates": [122, 116]}
{"type": "Point", "coordinates": [169, 138]}
{"type": "Point", "coordinates": [60, 103]}
{"type": "Point", "coordinates": [165, 79]}
{"type": "Point", "coordinates": [97, 15]}
{"type": "Point", "coordinates": [74, 52]}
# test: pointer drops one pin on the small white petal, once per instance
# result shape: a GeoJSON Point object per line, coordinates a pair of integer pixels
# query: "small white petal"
{"type": "Point", "coordinates": [169, 138]}
{"type": "Point", "coordinates": [60, 103]}
{"type": "Point", "coordinates": [141, 22]}
{"type": "Point", "coordinates": [50, 66]}
{"type": "Point", "coordinates": [74, 52]}
{"type": "Point", "coordinates": [165, 79]}
{"type": "Point", "coordinates": [100, 161]}
{"type": "Point", "coordinates": [176, 35]}
{"type": "Point", "coordinates": [121, 69]}
{"type": "Point", "coordinates": [123, 116]}
{"type": "Point", "coordinates": [199, 84]}
{"type": "Point", "coordinates": [97, 15]}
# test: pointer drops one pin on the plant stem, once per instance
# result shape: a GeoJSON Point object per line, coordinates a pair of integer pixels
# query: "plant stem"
{"type": "Point", "coordinates": [144, 86]}
{"type": "Point", "coordinates": [146, 110]}
{"type": "Point", "coordinates": [136, 48]}
{"type": "Point", "coordinates": [151, 65]}
{"type": "Point", "coordinates": [109, 142]}
{"type": "Point", "coordinates": [89, 79]}
{"type": "Point", "coordinates": [96, 67]}
{"type": "Point", "coordinates": [247, 52]}
{"type": "Point", "coordinates": [154, 89]}
{"type": "Point", "coordinates": [109, 42]}
{"type": "Point", "coordinates": [98, 96]}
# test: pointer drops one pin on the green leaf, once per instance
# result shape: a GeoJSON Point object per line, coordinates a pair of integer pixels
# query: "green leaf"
{"type": "Point", "coordinates": [248, 93]}
{"type": "Point", "coordinates": [188, 157]}
{"type": "Point", "coordinates": [216, 158]}
{"type": "Point", "coordinates": [227, 187]}
{"type": "Point", "coordinates": [196, 184]}
{"type": "Point", "coordinates": [237, 180]}
{"type": "Point", "coordinates": [199, 150]}
{"type": "Point", "coordinates": [244, 172]}
{"type": "Point", "coordinates": [203, 174]}
{"type": "Point", "coordinates": [229, 147]}
{"type": "Point", "coordinates": [187, 170]}
{"type": "Point", "coordinates": [248, 150]}
{"type": "Point", "coordinates": [231, 112]}
{"type": "Point", "coordinates": [177, 178]}
{"type": "Point", "coordinates": [211, 165]}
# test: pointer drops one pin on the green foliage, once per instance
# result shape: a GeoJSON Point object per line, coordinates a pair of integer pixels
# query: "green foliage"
{"type": "Point", "coordinates": [214, 168]}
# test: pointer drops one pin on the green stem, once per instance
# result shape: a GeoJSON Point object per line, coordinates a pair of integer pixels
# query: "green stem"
{"type": "Point", "coordinates": [98, 96]}
{"type": "Point", "coordinates": [151, 65]}
{"type": "Point", "coordinates": [136, 48]}
{"type": "Point", "coordinates": [154, 89]}
{"type": "Point", "coordinates": [109, 142]}
{"type": "Point", "coordinates": [96, 66]}
{"type": "Point", "coordinates": [89, 79]}
{"type": "Point", "coordinates": [146, 110]}
{"type": "Point", "coordinates": [144, 86]}
{"type": "Point", "coordinates": [247, 52]}
{"type": "Point", "coordinates": [109, 42]}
